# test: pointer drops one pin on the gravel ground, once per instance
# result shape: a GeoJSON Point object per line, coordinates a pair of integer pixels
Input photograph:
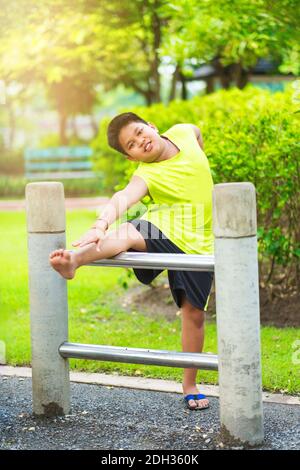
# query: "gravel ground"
{"type": "Point", "coordinates": [110, 418]}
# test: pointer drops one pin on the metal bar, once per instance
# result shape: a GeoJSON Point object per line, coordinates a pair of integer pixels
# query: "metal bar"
{"type": "Point", "coordinates": [50, 156]}
{"type": "Point", "coordinates": [176, 262]}
{"type": "Point", "coordinates": [139, 356]}
{"type": "Point", "coordinates": [58, 152]}
{"type": "Point", "coordinates": [61, 175]}
{"type": "Point", "coordinates": [58, 166]}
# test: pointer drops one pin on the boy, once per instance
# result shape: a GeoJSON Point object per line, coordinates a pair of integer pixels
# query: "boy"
{"type": "Point", "coordinates": [174, 171]}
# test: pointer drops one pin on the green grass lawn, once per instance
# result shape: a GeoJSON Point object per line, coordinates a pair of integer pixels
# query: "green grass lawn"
{"type": "Point", "coordinates": [95, 316]}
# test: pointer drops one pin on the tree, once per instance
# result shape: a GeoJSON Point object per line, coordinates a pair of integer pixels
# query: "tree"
{"type": "Point", "coordinates": [233, 35]}
{"type": "Point", "coordinates": [52, 45]}
{"type": "Point", "coordinates": [134, 32]}
{"type": "Point", "coordinates": [72, 48]}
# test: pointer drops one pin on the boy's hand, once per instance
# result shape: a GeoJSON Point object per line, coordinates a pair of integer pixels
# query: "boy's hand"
{"type": "Point", "coordinates": [94, 235]}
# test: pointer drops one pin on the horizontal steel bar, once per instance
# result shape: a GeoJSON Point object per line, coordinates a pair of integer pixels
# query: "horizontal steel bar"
{"type": "Point", "coordinates": [139, 356]}
{"type": "Point", "coordinates": [60, 175]}
{"type": "Point", "coordinates": [58, 166]}
{"type": "Point", "coordinates": [59, 152]}
{"type": "Point", "coordinates": [173, 261]}
{"type": "Point", "coordinates": [51, 156]}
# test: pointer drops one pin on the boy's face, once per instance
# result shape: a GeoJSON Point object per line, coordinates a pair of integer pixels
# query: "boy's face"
{"type": "Point", "coordinates": [141, 142]}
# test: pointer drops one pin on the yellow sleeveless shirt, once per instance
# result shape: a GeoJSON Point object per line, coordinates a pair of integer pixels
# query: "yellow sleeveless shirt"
{"type": "Point", "coordinates": [181, 193]}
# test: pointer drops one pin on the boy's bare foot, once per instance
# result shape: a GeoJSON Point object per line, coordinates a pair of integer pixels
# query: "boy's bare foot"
{"type": "Point", "coordinates": [63, 262]}
{"type": "Point", "coordinates": [192, 390]}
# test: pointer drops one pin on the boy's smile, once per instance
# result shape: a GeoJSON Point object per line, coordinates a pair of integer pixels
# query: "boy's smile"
{"type": "Point", "coordinates": [142, 142]}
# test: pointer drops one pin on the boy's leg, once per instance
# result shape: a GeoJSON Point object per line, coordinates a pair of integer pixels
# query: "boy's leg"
{"type": "Point", "coordinates": [116, 241]}
{"type": "Point", "coordinates": [192, 320]}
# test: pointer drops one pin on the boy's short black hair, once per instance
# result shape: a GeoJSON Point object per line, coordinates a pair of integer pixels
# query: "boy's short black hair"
{"type": "Point", "coordinates": [115, 126]}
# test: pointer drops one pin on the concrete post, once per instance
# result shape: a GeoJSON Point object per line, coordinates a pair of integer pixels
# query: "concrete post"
{"type": "Point", "coordinates": [238, 319]}
{"type": "Point", "coordinates": [45, 208]}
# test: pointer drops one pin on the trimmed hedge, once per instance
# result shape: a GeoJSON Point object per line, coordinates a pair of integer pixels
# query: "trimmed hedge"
{"type": "Point", "coordinates": [14, 187]}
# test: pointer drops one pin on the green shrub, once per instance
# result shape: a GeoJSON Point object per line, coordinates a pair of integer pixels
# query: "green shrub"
{"type": "Point", "coordinates": [14, 187]}
{"type": "Point", "coordinates": [92, 187]}
{"type": "Point", "coordinates": [53, 140]}
{"type": "Point", "coordinates": [249, 135]}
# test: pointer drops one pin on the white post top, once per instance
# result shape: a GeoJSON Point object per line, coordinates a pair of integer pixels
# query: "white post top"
{"type": "Point", "coordinates": [234, 210]}
{"type": "Point", "coordinates": [45, 207]}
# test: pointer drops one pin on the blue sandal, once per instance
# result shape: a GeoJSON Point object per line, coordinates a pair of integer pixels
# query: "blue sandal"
{"type": "Point", "coordinates": [198, 396]}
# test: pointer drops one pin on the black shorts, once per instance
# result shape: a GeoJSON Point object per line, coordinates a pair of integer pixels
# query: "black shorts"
{"type": "Point", "coordinates": [195, 285]}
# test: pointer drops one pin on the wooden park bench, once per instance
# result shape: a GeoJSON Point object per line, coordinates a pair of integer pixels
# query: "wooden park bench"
{"type": "Point", "coordinates": [58, 163]}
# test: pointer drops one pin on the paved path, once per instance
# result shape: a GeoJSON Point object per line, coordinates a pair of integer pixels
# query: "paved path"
{"type": "Point", "coordinates": [142, 383]}
{"type": "Point", "coordinates": [71, 203]}
{"type": "Point", "coordinates": [114, 418]}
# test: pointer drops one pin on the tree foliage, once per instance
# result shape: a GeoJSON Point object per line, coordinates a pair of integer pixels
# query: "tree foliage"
{"type": "Point", "coordinates": [71, 47]}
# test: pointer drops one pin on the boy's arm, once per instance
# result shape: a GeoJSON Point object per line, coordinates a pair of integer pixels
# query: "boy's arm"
{"type": "Point", "coordinates": [198, 135]}
{"type": "Point", "coordinates": [121, 201]}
